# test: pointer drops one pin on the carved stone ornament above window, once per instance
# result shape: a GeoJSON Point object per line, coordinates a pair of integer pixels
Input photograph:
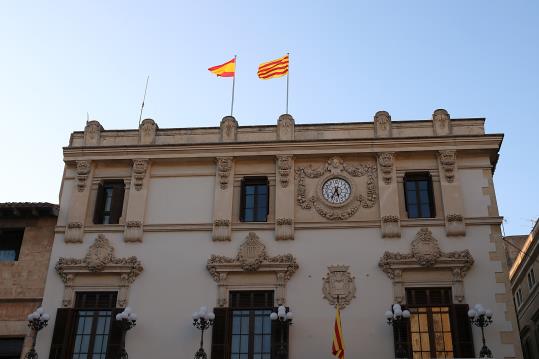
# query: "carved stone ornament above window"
{"type": "Point", "coordinates": [83, 169]}
{"type": "Point", "coordinates": [100, 269]}
{"type": "Point", "coordinates": [382, 124]}
{"type": "Point", "coordinates": [147, 131]}
{"type": "Point", "coordinates": [139, 172]}
{"type": "Point", "coordinates": [386, 162]}
{"type": "Point", "coordinates": [284, 164]}
{"type": "Point", "coordinates": [426, 255]}
{"type": "Point", "coordinates": [448, 159]}
{"type": "Point", "coordinates": [337, 168]}
{"type": "Point", "coordinates": [339, 287]}
{"type": "Point", "coordinates": [441, 122]}
{"type": "Point", "coordinates": [285, 127]}
{"type": "Point", "coordinates": [252, 258]}
{"type": "Point", "coordinates": [92, 133]}
{"type": "Point", "coordinates": [229, 129]}
{"type": "Point", "coordinates": [224, 166]}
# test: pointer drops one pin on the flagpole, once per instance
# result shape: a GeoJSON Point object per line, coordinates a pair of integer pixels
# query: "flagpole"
{"type": "Point", "coordinates": [143, 99]}
{"type": "Point", "coordinates": [287, 81]}
{"type": "Point", "coordinates": [233, 86]}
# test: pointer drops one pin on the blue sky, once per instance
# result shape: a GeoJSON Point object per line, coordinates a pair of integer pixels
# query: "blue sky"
{"type": "Point", "coordinates": [349, 59]}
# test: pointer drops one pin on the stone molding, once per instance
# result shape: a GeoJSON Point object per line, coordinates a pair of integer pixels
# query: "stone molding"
{"type": "Point", "coordinates": [229, 129]}
{"type": "Point", "coordinates": [147, 131]}
{"type": "Point", "coordinates": [139, 172]}
{"type": "Point", "coordinates": [284, 229]}
{"type": "Point", "coordinates": [336, 167]}
{"type": "Point", "coordinates": [426, 255]}
{"type": "Point", "coordinates": [133, 231]}
{"type": "Point", "coordinates": [390, 226]}
{"type": "Point", "coordinates": [221, 230]}
{"type": "Point", "coordinates": [83, 169]}
{"type": "Point", "coordinates": [284, 165]}
{"type": "Point", "coordinates": [92, 133]}
{"type": "Point", "coordinates": [454, 225]}
{"type": "Point", "coordinates": [386, 161]}
{"type": "Point", "coordinates": [382, 124]}
{"type": "Point", "coordinates": [98, 262]}
{"type": "Point", "coordinates": [74, 232]}
{"type": "Point", "coordinates": [285, 127]}
{"type": "Point", "coordinates": [224, 166]}
{"type": "Point", "coordinates": [448, 160]}
{"type": "Point", "coordinates": [252, 258]}
{"type": "Point", "coordinates": [339, 286]}
{"type": "Point", "coordinates": [441, 122]}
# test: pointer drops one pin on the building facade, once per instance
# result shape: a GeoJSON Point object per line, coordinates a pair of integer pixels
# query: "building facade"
{"type": "Point", "coordinates": [524, 255]}
{"type": "Point", "coordinates": [244, 219]}
{"type": "Point", "coordinates": [26, 237]}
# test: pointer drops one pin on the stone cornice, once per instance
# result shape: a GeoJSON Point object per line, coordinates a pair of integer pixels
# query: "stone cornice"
{"type": "Point", "coordinates": [272, 148]}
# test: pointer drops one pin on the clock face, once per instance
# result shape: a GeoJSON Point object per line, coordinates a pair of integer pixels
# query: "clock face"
{"type": "Point", "coordinates": [336, 190]}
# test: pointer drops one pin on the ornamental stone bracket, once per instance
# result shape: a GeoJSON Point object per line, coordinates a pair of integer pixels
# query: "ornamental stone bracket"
{"type": "Point", "coordinates": [448, 159]}
{"type": "Point", "coordinates": [147, 131]}
{"type": "Point", "coordinates": [74, 232]}
{"type": "Point", "coordinates": [133, 231]}
{"type": "Point", "coordinates": [339, 286]}
{"type": "Point", "coordinates": [99, 269]}
{"type": "Point", "coordinates": [382, 124]}
{"type": "Point", "coordinates": [284, 229]}
{"type": "Point", "coordinates": [139, 172]}
{"type": "Point", "coordinates": [252, 266]}
{"type": "Point", "coordinates": [221, 230]}
{"type": "Point", "coordinates": [391, 227]}
{"type": "Point", "coordinates": [386, 162]}
{"type": "Point", "coordinates": [454, 225]}
{"type": "Point", "coordinates": [426, 265]}
{"type": "Point", "coordinates": [229, 129]}
{"type": "Point", "coordinates": [92, 133]}
{"type": "Point", "coordinates": [441, 122]}
{"type": "Point", "coordinates": [224, 166]}
{"type": "Point", "coordinates": [284, 165]}
{"type": "Point", "coordinates": [82, 169]}
{"type": "Point", "coordinates": [336, 167]}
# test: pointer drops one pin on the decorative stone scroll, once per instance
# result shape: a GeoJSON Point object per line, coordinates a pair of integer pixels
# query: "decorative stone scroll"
{"type": "Point", "coordinates": [83, 169]}
{"type": "Point", "coordinates": [391, 227]}
{"type": "Point", "coordinates": [382, 124]}
{"type": "Point", "coordinates": [133, 231]}
{"type": "Point", "coordinates": [339, 288]}
{"type": "Point", "coordinates": [426, 257]}
{"type": "Point", "coordinates": [284, 229]}
{"type": "Point", "coordinates": [386, 161]}
{"type": "Point", "coordinates": [74, 232]}
{"type": "Point", "coordinates": [285, 127]}
{"type": "Point", "coordinates": [448, 159]}
{"type": "Point", "coordinates": [224, 166]}
{"type": "Point", "coordinates": [252, 258]}
{"type": "Point", "coordinates": [99, 268]}
{"type": "Point", "coordinates": [139, 172]}
{"type": "Point", "coordinates": [229, 129]}
{"type": "Point", "coordinates": [441, 122]}
{"type": "Point", "coordinates": [335, 167]}
{"type": "Point", "coordinates": [92, 133]}
{"type": "Point", "coordinates": [221, 230]}
{"type": "Point", "coordinates": [454, 225]}
{"type": "Point", "coordinates": [284, 164]}
{"type": "Point", "coordinates": [147, 131]}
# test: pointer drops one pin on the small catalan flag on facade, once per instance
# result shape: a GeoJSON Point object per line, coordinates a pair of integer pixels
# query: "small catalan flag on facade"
{"type": "Point", "coordinates": [228, 69]}
{"type": "Point", "coordinates": [274, 68]}
{"type": "Point", "coordinates": [337, 347]}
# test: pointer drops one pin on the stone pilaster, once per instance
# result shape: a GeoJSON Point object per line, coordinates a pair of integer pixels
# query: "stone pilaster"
{"type": "Point", "coordinates": [74, 231]}
{"type": "Point", "coordinates": [136, 203]}
{"type": "Point", "coordinates": [388, 197]}
{"type": "Point", "coordinates": [284, 198]}
{"type": "Point", "coordinates": [451, 193]}
{"type": "Point", "coordinates": [222, 202]}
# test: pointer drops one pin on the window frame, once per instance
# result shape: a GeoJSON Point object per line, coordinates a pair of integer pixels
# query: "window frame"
{"type": "Point", "coordinates": [12, 244]}
{"type": "Point", "coordinates": [415, 177]}
{"type": "Point", "coordinates": [254, 181]}
{"type": "Point", "coordinates": [518, 298]}
{"type": "Point", "coordinates": [15, 354]}
{"type": "Point", "coordinates": [531, 278]}
{"type": "Point", "coordinates": [117, 189]}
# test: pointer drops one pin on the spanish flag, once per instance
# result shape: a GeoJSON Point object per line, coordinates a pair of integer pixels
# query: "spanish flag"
{"type": "Point", "coordinates": [274, 68]}
{"type": "Point", "coordinates": [228, 69]}
{"type": "Point", "coordinates": [337, 348]}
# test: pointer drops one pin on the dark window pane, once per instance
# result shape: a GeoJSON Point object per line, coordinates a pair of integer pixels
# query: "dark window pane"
{"type": "Point", "coordinates": [10, 244]}
{"type": "Point", "coordinates": [411, 197]}
{"type": "Point", "coordinates": [412, 211]}
{"type": "Point", "coordinates": [254, 200]}
{"type": "Point", "coordinates": [418, 192]}
{"type": "Point", "coordinates": [249, 189]}
{"type": "Point", "coordinates": [425, 211]}
{"type": "Point", "coordinates": [424, 197]}
{"type": "Point", "coordinates": [423, 185]}
{"type": "Point", "coordinates": [249, 215]}
{"type": "Point", "coordinates": [262, 189]}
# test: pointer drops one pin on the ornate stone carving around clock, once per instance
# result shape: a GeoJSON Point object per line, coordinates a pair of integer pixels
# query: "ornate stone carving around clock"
{"type": "Point", "coordinates": [339, 288]}
{"type": "Point", "coordinates": [336, 196]}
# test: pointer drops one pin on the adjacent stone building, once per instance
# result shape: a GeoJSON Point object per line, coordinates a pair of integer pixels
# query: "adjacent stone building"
{"type": "Point", "coordinates": [309, 216]}
{"type": "Point", "coordinates": [26, 236]}
{"type": "Point", "coordinates": [523, 254]}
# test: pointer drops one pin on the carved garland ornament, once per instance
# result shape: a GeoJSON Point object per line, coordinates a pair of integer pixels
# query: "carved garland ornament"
{"type": "Point", "coordinates": [284, 164]}
{"type": "Point", "coordinates": [83, 169]}
{"type": "Point", "coordinates": [339, 288]}
{"type": "Point", "coordinates": [224, 166]}
{"type": "Point", "coordinates": [139, 172]}
{"type": "Point", "coordinates": [448, 158]}
{"type": "Point", "coordinates": [336, 167]}
{"type": "Point", "coordinates": [386, 160]}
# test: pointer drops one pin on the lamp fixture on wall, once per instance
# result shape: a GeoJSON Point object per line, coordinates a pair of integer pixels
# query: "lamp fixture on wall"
{"type": "Point", "coordinates": [481, 317]}
{"type": "Point", "coordinates": [202, 320]}
{"type": "Point", "coordinates": [285, 320]}
{"type": "Point", "coordinates": [36, 321]}
{"type": "Point", "coordinates": [396, 317]}
{"type": "Point", "coordinates": [127, 320]}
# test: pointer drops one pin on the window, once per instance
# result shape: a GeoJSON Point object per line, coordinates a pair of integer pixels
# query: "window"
{"type": "Point", "coordinates": [518, 297]}
{"type": "Point", "coordinates": [245, 330]}
{"type": "Point", "coordinates": [418, 195]}
{"type": "Point", "coordinates": [10, 244]}
{"type": "Point", "coordinates": [531, 278]}
{"type": "Point", "coordinates": [437, 328]}
{"type": "Point", "coordinates": [254, 199]}
{"type": "Point", "coordinates": [87, 331]}
{"type": "Point", "coordinates": [11, 348]}
{"type": "Point", "coordinates": [109, 202]}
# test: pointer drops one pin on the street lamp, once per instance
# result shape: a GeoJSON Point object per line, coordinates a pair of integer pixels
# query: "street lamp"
{"type": "Point", "coordinates": [127, 320]}
{"type": "Point", "coordinates": [202, 320]}
{"type": "Point", "coordinates": [481, 318]}
{"type": "Point", "coordinates": [36, 321]}
{"type": "Point", "coordinates": [285, 319]}
{"type": "Point", "coordinates": [395, 317]}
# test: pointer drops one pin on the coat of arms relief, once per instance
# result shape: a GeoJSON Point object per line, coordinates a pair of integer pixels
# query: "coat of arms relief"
{"type": "Point", "coordinates": [339, 288]}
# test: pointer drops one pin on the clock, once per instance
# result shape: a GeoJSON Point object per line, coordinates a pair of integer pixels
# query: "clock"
{"type": "Point", "coordinates": [336, 190]}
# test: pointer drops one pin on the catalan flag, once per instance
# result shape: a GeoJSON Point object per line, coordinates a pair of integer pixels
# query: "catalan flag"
{"type": "Point", "coordinates": [228, 69]}
{"type": "Point", "coordinates": [274, 68]}
{"type": "Point", "coordinates": [337, 347]}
